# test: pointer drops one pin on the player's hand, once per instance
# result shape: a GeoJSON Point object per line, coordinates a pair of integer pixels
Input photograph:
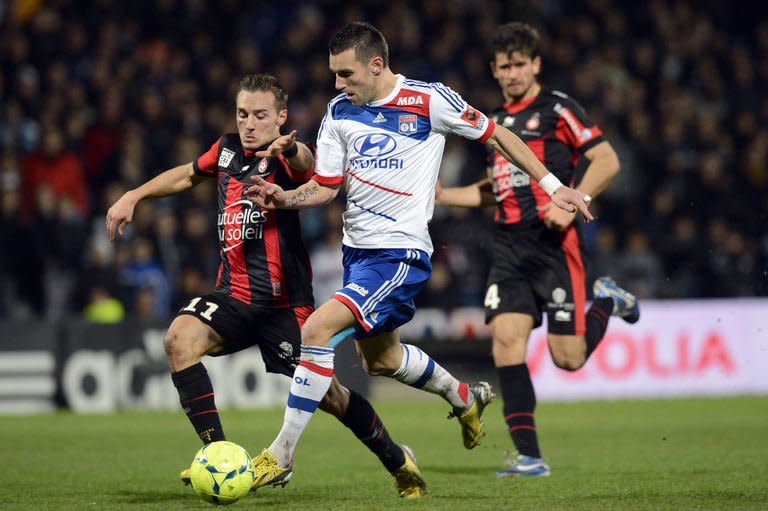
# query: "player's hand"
{"type": "Point", "coordinates": [264, 194]}
{"type": "Point", "coordinates": [572, 201]}
{"type": "Point", "coordinates": [278, 146]}
{"type": "Point", "coordinates": [120, 215]}
{"type": "Point", "coordinates": [555, 218]}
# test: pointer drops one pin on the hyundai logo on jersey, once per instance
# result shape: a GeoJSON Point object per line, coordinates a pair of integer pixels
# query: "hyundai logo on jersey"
{"type": "Point", "coordinates": [375, 144]}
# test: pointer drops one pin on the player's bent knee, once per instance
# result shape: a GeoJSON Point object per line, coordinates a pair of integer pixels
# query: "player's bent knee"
{"type": "Point", "coordinates": [184, 342]}
{"type": "Point", "coordinates": [382, 355]}
{"type": "Point", "coordinates": [509, 343]}
{"type": "Point", "coordinates": [568, 364]}
{"type": "Point", "coordinates": [314, 335]}
{"type": "Point", "coordinates": [508, 350]}
{"type": "Point", "coordinates": [568, 360]}
{"type": "Point", "coordinates": [382, 363]}
{"type": "Point", "coordinates": [178, 349]}
{"type": "Point", "coordinates": [568, 352]}
{"type": "Point", "coordinates": [379, 367]}
{"type": "Point", "coordinates": [374, 369]}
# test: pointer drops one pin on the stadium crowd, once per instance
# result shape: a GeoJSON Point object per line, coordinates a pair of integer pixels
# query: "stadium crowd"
{"type": "Point", "coordinates": [98, 96]}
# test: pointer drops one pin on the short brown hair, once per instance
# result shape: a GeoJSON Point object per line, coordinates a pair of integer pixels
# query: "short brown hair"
{"type": "Point", "coordinates": [265, 83]}
{"type": "Point", "coordinates": [515, 37]}
{"type": "Point", "coordinates": [366, 39]}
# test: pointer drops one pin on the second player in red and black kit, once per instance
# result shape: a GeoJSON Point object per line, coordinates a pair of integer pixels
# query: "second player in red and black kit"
{"type": "Point", "coordinates": [529, 246]}
{"type": "Point", "coordinates": [264, 267]}
{"type": "Point", "coordinates": [558, 131]}
{"type": "Point", "coordinates": [264, 246]}
{"type": "Point", "coordinates": [538, 259]}
{"type": "Point", "coordinates": [263, 289]}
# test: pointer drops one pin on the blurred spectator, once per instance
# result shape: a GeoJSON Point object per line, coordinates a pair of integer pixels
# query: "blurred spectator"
{"type": "Point", "coordinates": [193, 284]}
{"type": "Point", "coordinates": [103, 307]}
{"type": "Point", "coordinates": [102, 139]}
{"type": "Point", "coordinates": [197, 232]}
{"type": "Point", "coordinates": [639, 267]}
{"type": "Point", "coordinates": [17, 129]}
{"type": "Point", "coordinates": [21, 262]}
{"type": "Point", "coordinates": [440, 291]}
{"type": "Point", "coordinates": [326, 256]}
{"type": "Point", "coordinates": [605, 259]}
{"type": "Point", "coordinates": [55, 167]}
{"type": "Point", "coordinates": [145, 306]}
{"type": "Point", "coordinates": [166, 236]}
{"type": "Point", "coordinates": [731, 266]}
{"type": "Point", "coordinates": [680, 249]}
{"type": "Point", "coordinates": [144, 275]}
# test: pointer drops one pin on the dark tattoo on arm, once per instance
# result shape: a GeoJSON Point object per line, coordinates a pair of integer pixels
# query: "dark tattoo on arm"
{"type": "Point", "coordinates": [303, 195]}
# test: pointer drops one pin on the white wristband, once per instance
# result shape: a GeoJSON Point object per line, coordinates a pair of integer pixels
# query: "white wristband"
{"type": "Point", "coordinates": [550, 183]}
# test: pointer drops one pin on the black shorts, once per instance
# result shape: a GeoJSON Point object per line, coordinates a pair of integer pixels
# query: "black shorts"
{"type": "Point", "coordinates": [276, 331]}
{"type": "Point", "coordinates": [537, 270]}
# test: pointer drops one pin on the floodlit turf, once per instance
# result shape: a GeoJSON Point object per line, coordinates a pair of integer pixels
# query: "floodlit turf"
{"type": "Point", "coordinates": [628, 455]}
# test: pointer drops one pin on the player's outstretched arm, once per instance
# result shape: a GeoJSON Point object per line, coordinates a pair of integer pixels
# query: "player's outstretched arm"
{"type": "Point", "coordinates": [475, 195]}
{"type": "Point", "coordinates": [170, 182]}
{"type": "Point", "coordinates": [298, 155]}
{"type": "Point", "coordinates": [272, 196]}
{"type": "Point", "coordinates": [511, 147]}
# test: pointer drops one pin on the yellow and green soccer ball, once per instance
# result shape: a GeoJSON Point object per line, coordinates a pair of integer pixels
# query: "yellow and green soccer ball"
{"type": "Point", "coordinates": [222, 472]}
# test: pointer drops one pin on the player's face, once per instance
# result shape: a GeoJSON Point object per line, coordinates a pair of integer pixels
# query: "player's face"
{"type": "Point", "coordinates": [258, 121]}
{"type": "Point", "coordinates": [516, 73]}
{"type": "Point", "coordinates": [354, 78]}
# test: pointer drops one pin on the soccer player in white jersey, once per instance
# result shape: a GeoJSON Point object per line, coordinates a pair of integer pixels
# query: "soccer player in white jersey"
{"type": "Point", "coordinates": [382, 139]}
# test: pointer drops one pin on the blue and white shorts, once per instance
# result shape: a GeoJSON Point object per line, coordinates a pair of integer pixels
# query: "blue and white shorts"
{"type": "Point", "coordinates": [380, 284]}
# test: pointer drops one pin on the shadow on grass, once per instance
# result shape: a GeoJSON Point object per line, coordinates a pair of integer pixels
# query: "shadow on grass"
{"type": "Point", "coordinates": [191, 501]}
{"type": "Point", "coordinates": [153, 496]}
{"type": "Point", "coordinates": [442, 469]}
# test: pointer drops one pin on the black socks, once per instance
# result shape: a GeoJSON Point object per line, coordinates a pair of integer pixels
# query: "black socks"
{"type": "Point", "coordinates": [519, 403]}
{"type": "Point", "coordinates": [197, 400]}
{"type": "Point", "coordinates": [361, 418]}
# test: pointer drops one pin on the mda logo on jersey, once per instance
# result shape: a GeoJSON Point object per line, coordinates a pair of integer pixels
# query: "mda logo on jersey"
{"type": "Point", "coordinates": [375, 145]}
{"type": "Point", "coordinates": [416, 100]}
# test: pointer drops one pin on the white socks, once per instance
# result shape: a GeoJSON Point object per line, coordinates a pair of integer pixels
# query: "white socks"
{"type": "Point", "coordinates": [419, 370]}
{"type": "Point", "coordinates": [311, 381]}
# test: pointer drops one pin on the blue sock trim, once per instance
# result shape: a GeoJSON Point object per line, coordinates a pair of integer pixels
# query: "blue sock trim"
{"type": "Point", "coordinates": [302, 403]}
{"type": "Point", "coordinates": [340, 336]}
{"type": "Point", "coordinates": [426, 376]}
{"type": "Point", "coordinates": [316, 350]}
{"type": "Point", "coordinates": [407, 354]}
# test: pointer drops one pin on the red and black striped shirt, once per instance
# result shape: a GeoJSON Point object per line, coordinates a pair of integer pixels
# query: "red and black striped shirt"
{"type": "Point", "coordinates": [263, 259]}
{"type": "Point", "coordinates": [558, 131]}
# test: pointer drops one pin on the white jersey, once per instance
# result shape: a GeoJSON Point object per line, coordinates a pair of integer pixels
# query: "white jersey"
{"type": "Point", "coordinates": [387, 154]}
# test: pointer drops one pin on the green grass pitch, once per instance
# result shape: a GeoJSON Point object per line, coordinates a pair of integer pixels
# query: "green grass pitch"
{"type": "Point", "coordinates": [625, 455]}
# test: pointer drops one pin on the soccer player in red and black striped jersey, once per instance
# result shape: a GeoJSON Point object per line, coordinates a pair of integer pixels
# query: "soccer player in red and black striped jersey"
{"type": "Point", "coordinates": [264, 286]}
{"type": "Point", "coordinates": [538, 261]}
